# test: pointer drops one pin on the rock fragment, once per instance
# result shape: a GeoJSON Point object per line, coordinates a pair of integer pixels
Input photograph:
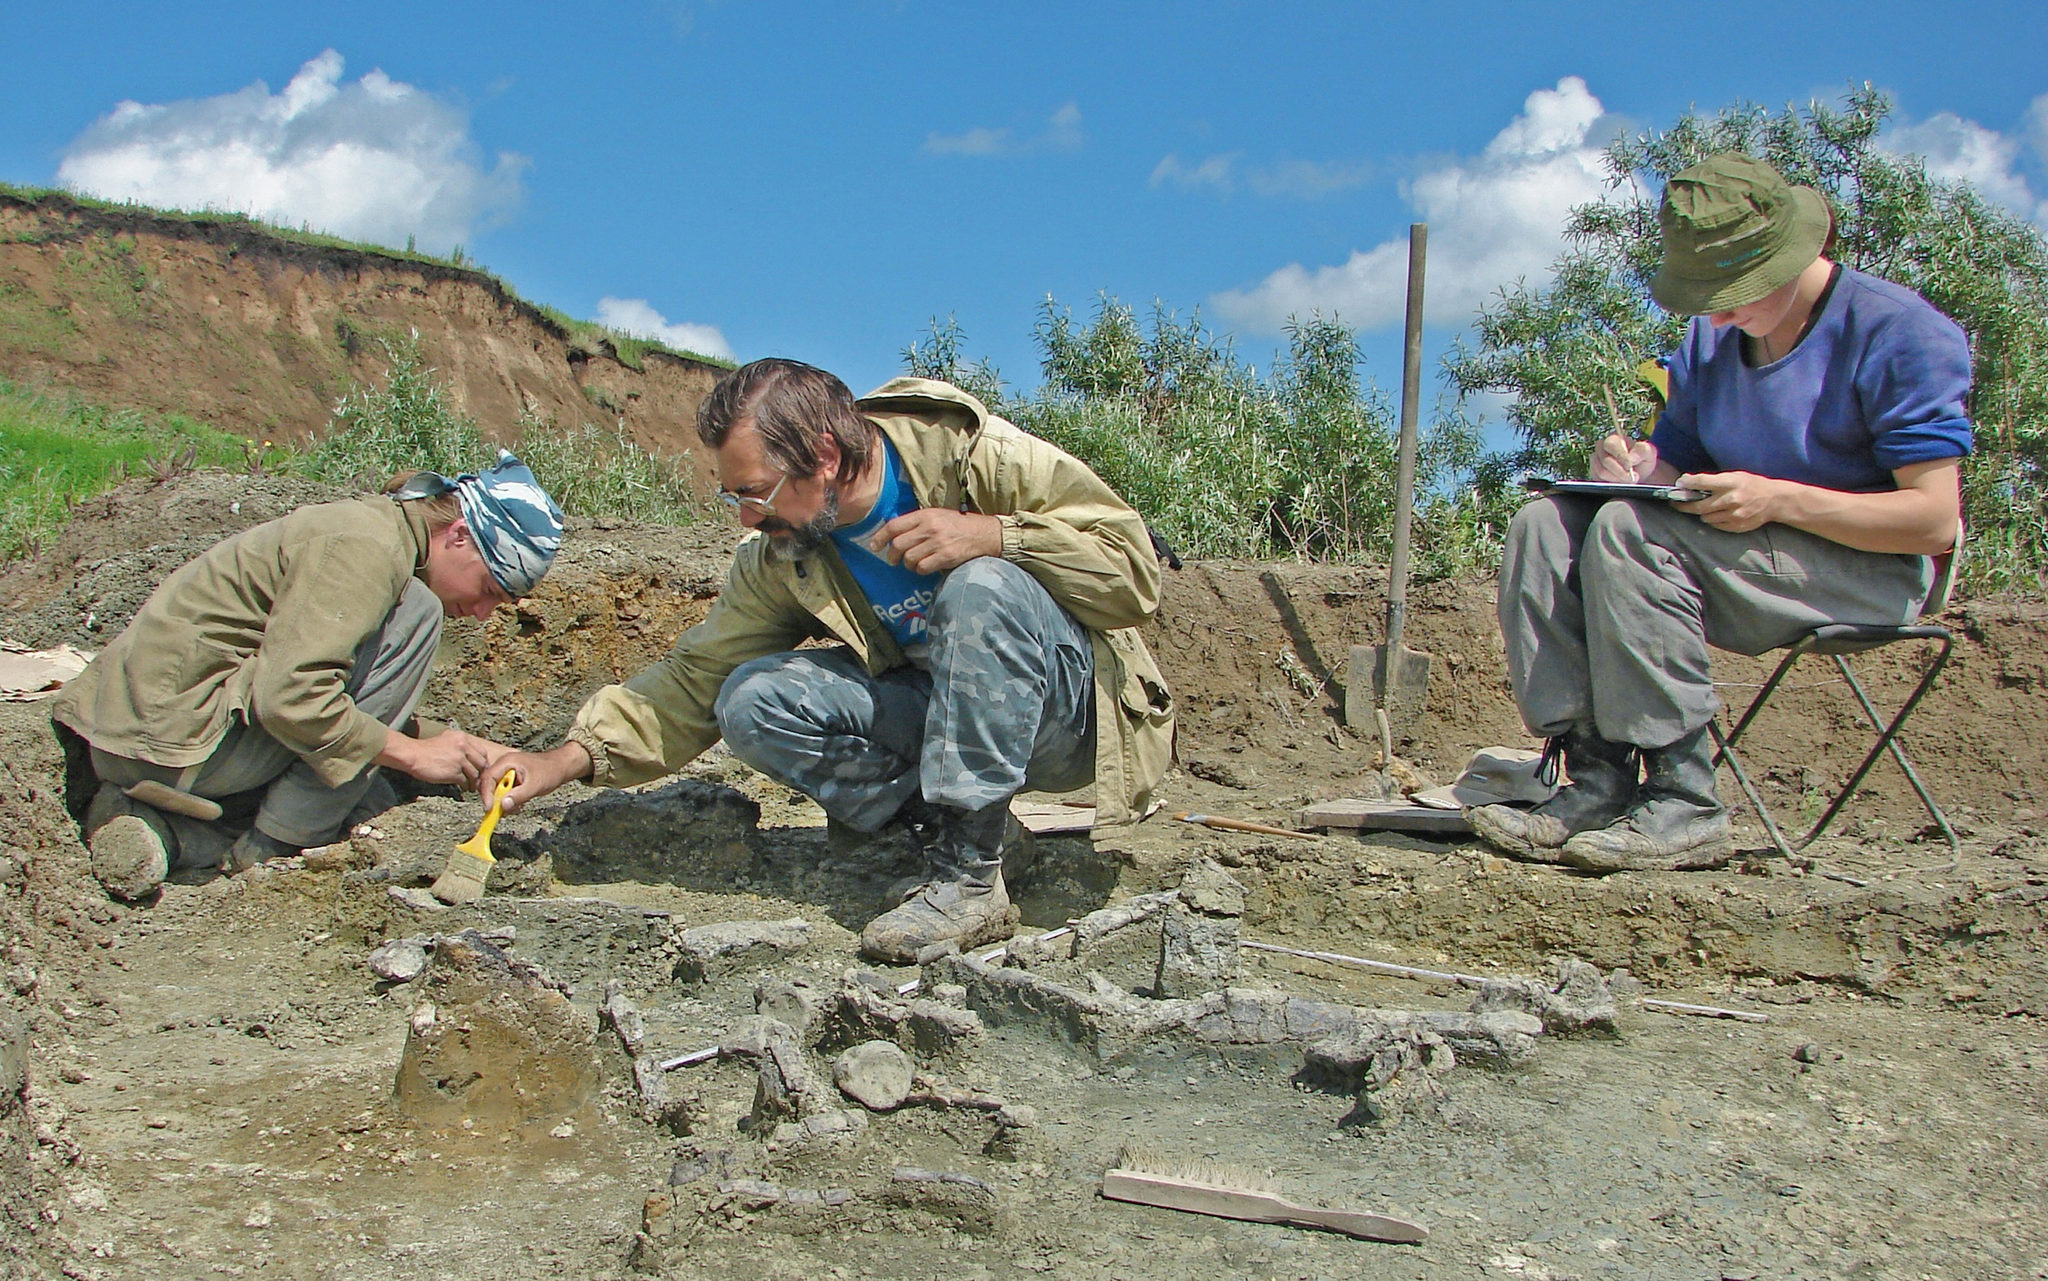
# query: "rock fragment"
{"type": "Point", "coordinates": [1198, 937]}
{"type": "Point", "coordinates": [967, 1202]}
{"type": "Point", "coordinates": [494, 1042]}
{"type": "Point", "coordinates": [399, 960]}
{"type": "Point", "coordinates": [927, 1028]}
{"type": "Point", "coordinates": [1577, 1000]}
{"type": "Point", "coordinates": [874, 1074]}
{"type": "Point", "coordinates": [795, 1003]}
{"type": "Point", "coordinates": [707, 952]}
{"type": "Point", "coordinates": [786, 1088]}
{"type": "Point", "coordinates": [836, 1126]}
{"type": "Point", "coordinates": [623, 1018]}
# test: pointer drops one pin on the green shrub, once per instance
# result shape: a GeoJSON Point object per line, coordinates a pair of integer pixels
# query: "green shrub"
{"type": "Point", "coordinates": [1221, 460]}
{"type": "Point", "coordinates": [408, 424]}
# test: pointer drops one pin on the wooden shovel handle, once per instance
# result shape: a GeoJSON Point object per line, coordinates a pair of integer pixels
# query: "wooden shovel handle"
{"type": "Point", "coordinates": [1240, 825]}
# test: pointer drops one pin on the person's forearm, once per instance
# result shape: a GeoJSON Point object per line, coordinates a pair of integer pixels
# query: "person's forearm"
{"type": "Point", "coordinates": [1904, 521]}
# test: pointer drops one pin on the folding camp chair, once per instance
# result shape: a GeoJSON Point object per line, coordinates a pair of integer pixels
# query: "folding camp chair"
{"type": "Point", "coordinates": [1838, 641]}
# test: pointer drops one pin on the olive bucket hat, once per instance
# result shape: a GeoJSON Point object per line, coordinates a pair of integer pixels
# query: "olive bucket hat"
{"type": "Point", "coordinates": [1734, 230]}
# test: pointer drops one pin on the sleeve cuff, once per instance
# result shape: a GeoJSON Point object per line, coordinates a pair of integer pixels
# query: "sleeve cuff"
{"type": "Point", "coordinates": [1013, 537]}
{"type": "Point", "coordinates": [361, 742]}
{"type": "Point", "coordinates": [600, 759]}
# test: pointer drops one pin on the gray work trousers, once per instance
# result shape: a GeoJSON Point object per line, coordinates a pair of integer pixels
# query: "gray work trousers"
{"type": "Point", "coordinates": [1607, 609]}
{"type": "Point", "coordinates": [390, 674]}
{"type": "Point", "coordinates": [1007, 703]}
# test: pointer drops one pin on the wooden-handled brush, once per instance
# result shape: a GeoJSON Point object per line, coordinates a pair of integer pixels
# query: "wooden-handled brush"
{"type": "Point", "coordinates": [469, 864]}
{"type": "Point", "coordinates": [1203, 1188]}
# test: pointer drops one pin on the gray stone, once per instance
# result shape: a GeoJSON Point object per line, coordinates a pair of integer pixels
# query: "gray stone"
{"type": "Point", "coordinates": [968, 1202]}
{"type": "Point", "coordinates": [13, 1061]}
{"type": "Point", "coordinates": [707, 952]}
{"type": "Point", "coordinates": [399, 960]}
{"type": "Point", "coordinates": [794, 1003]}
{"type": "Point", "coordinates": [874, 1074]}
{"type": "Point", "coordinates": [1577, 1000]}
{"type": "Point", "coordinates": [623, 1018]}
{"type": "Point", "coordinates": [1209, 889]}
{"type": "Point", "coordinates": [1198, 936]}
{"type": "Point", "coordinates": [1017, 1116]}
{"type": "Point", "coordinates": [831, 1128]}
{"type": "Point", "coordinates": [786, 1088]}
{"type": "Point", "coordinates": [419, 900]}
{"type": "Point", "coordinates": [927, 1028]}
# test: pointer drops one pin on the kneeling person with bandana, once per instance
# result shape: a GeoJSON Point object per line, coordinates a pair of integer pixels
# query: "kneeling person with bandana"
{"type": "Point", "coordinates": [262, 684]}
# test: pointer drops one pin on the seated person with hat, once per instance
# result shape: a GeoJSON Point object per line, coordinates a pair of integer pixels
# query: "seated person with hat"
{"type": "Point", "coordinates": [1822, 412]}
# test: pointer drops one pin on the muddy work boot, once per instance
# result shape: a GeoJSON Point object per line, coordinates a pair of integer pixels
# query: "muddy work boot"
{"type": "Point", "coordinates": [963, 902]}
{"type": "Point", "coordinates": [1677, 823]}
{"type": "Point", "coordinates": [253, 847]}
{"type": "Point", "coordinates": [131, 844]}
{"type": "Point", "coordinates": [1603, 787]}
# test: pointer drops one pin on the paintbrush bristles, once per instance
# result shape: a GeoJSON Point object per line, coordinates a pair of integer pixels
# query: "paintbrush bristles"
{"type": "Point", "coordinates": [1135, 1159]}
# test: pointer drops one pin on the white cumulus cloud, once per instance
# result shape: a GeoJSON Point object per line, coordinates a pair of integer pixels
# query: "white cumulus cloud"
{"type": "Point", "coordinates": [636, 316]}
{"type": "Point", "coordinates": [376, 160]}
{"type": "Point", "coordinates": [1300, 179]}
{"type": "Point", "coordinates": [1062, 132]}
{"type": "Point", "coordinates": [1964, 151]}
{"type": "Point", "coordinates": [1493, 218]}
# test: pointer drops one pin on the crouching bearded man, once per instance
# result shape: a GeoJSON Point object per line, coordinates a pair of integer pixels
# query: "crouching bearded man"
{"type": "Point", "coordinates": [983, 589]}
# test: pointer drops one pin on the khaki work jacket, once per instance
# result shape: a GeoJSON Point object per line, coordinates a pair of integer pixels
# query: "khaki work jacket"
{"type": "Point", "coordinates": [265, 625]}
{"type": "Point", "coordinates": [1060, 523]}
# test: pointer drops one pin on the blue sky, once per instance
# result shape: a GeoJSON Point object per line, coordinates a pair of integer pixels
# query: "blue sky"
{"type": "Point", "coordinates": [819, 180]}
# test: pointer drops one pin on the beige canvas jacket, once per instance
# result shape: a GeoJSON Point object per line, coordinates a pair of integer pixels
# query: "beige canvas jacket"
{"type": "Point", "coordinates": [1060, 523]}
{"type": "Point", "coordinates": [265, 623]}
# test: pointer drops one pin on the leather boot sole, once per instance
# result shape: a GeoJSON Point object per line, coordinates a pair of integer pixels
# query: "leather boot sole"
{"type": "Point", "coordinates": [129, 857]}
{"type": "Point", "coordinates": [1627, 851]}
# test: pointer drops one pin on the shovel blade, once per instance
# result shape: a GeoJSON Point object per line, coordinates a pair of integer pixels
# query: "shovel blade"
{"type": "Point", "coordinates": [1398, 681]}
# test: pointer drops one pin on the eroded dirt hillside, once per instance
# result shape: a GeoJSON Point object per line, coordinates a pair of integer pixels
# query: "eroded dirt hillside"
{"type": "Point", "coordinates": [260, 335]}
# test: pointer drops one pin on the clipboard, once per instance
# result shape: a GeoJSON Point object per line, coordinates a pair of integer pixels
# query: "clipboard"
{"type": "Point", "coordinates": [1615, 489]}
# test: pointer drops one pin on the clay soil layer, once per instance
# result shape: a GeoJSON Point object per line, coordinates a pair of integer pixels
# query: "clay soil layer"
{"type": "Point", "coordinates": [260, 335]}
{"type": "Point", "coordinates": [210, 1078]}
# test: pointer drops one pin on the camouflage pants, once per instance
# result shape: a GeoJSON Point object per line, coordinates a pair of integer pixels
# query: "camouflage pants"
{"type": "Point", "coordinates": [1008, 703]}
{"type": "Point", "coordinates": [389, 675]}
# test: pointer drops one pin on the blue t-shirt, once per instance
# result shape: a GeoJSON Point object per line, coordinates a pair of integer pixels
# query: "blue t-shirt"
{"type": "Point", "coordinates": [1879, 382]}
{"type": "Point", "coordinates": [902, 600]}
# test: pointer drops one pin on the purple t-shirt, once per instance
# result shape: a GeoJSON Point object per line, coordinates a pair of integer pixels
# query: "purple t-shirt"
{"type": "Point", "coordinates": [1879, 382]}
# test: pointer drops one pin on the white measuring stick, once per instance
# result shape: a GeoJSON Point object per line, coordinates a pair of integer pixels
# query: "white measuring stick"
{"type": "Point", "coordinates": [1704, 1011]}
{"type": "Point", "coordinates": [685, 1060]}
{"type": "Point", "coordinates": [905, 989]}
{"type": "Point", "coordinates": [1385, 967]}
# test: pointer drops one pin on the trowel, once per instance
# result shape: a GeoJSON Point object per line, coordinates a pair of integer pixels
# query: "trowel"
{"type": "Point", "coordinates": [1399, 682]}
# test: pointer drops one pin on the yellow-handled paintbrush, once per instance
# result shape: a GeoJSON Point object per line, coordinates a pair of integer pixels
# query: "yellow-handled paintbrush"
{"type": "Point", "coordinates": [469, 864]}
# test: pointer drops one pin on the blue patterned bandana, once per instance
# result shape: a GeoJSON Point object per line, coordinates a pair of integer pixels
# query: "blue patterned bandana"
{"type": "Point", "coordinates": [517, 527]}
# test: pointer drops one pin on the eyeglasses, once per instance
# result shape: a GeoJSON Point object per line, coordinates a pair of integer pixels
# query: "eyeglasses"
{"type": "Point", "coordinates": [765, 504]}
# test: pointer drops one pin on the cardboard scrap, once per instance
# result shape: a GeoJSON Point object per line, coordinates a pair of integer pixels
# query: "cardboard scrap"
{"type": "Point", "coordinates": [1043, 819]}
{"type": "Point", "coordinates": [27, 675]}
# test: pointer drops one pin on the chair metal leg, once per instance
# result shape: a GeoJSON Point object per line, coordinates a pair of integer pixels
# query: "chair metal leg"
{"type": "Point", "coordinates": [1726, 753]}
{"type": "Point", "coordinates": [1888, 741]}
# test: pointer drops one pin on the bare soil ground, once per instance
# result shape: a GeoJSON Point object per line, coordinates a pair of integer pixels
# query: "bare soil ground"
{"type": "Point", "coordinates": [210, 1077]}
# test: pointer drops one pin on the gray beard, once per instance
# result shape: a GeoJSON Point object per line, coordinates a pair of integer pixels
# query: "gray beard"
{"type": "Point", "coordinates": [787, 542]}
